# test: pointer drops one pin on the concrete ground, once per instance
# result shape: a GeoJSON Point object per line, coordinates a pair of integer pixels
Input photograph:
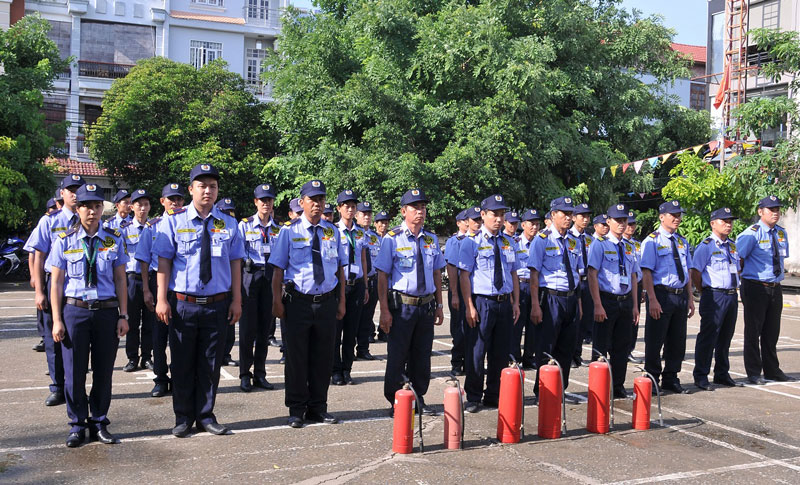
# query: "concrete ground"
{"type": "Point", "coordinates": [740, 435]}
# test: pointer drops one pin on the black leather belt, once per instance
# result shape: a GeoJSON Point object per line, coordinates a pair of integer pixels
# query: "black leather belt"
{"type": "Point", "coordinates": [559, 293]}
{"type": "Point", "coordinates": [312, 298]}
{"type": "Point", "coordinates": [762, 283]}
{"type": "Point", "coordinates": [415, 300]}
{"type": "Point", "coordinates": [727, 291]}
{"type": "Point", "coordinates": [612, 296]}
{"type": "Point", "coordinates": [495, 297]}
{"type": "Point", "coordinates": [584, 278]}
{"type": "Point", "coordinates": [524, 280]}
{"type": "Point", "coordinates": [674, 291]}
{"type": "Point", "coordinates": [93, 305]}
{"type": "Point", "coordinates": [351, 282]}
{"type": "Point", "coordinates": [202, 300]}
{"type": "Point", "coordinates": [136, 276]}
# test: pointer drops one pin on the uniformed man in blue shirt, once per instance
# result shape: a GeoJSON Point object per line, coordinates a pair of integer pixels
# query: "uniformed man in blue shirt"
{"type": "Point", "coordinates": [762, 248]}
{"type": "Point", "coordinates": [381, 222]}
{"type": "Point", "coordinates": [488, 263]}
{"type": "Point", "coordinates": [327, 212]}
{"type": "Point", "coordinates": [511, 225]}
{"type": "Point", "coordinates": [296, 210]}
{"type": "Point", "coordinates": [613, 280]}
{"type": "Point", "coordinates": [372, 244]}
{"type": "Point", "coordinates": [627, 236]}
{"type": "Point", "coordinates": [47, 230]}
{"type": "Point", "coordinates": [199, 295]}
{"type": "Point", "coordinates": [122, 201]}
{"type": "Point", "coordinates": [226, 206]}
{"type": "Point", "coordinates": [665, 277]}
{"type": "Point", "coordinates": [410, 291]}
{"type": "Point", "coordinates": [52, 206]}
{"type": "Point", "coordinates": [352, 241]}
{"type": "Point", "coordinates": [715, 269]}
{"type": "Point", "coordinates": [140, 316]}
{"type": "Point", "coordinates": [531, 222]}
{"type": "Point", "coordinates": [555, 262]}
{"type": "Point", "coordinates": [600, 223]}
{"type": "Point", "coordinates": [171, 199]}
{"type": "Point", "coordinates": [581, 217]}
{"type": "Point", "coordinates": [454, 296]}
{"type": "Point", "coordinates": [89, 301]}
{"type": "Point", "coordinates": [258, 233]}
{"type": "Point", "coordinates": [308, 258]}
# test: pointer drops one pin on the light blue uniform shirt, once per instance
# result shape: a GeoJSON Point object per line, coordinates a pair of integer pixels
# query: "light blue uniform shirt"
{"type": "Point", "coordinates": [476, 256]}
{"type": "Point", "coordinates": [117, 221]}
{"type": "Point", "coordinates": [638, 253]}
{"type": "Point", "coordinates": [451, 248]}
{"type": "Point", "coordinates": [258, 238]}
{"type": "Point", "coordinates": [755, 249]}
{"type": "Point", "coordinates": [398, 259]}
{"type": "Point", "coordinates": [291, 251]}
{"type": "Point", "coordinates": [373, 244]}
{"type": "Point", "coordinates": [352, 271]}
{"type": "Point", "coordinates": [586, 239]}
{"type": "Point", "coordinates": [604, 257]}
{"type": "Point", "coordinates": [69, 255]}
{"type": "Point", "coordinates": [132, 233]}
{"type": "Point", "coordinates": [546, 256]}
{"type": "Point", "coordinates": [657, 257]}
{"type": "Point", "coordinates": [48, 229]}
{"type": "Point", "coordinates": [179, 236]}
{"type": "Point", "coordinates": [523, 248]}
{"type": "Point", "coordinates": [144, 250]}
{"type": "Point", "coordinates": [717, 261]}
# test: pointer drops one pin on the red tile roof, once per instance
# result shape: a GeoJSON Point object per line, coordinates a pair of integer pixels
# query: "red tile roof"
{"type": "Point", "coordinates": [66, 165]}
{"type": "Point", "coordinates": [206, 17]}
{"type": "Point", "coordinates": [697, 52]}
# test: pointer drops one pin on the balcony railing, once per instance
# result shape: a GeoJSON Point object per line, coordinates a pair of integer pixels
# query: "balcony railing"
{"type": "Point", "coordinates": [63, 76]}
{"type": "Point", "coordinates": [260, 90]}
{"type": "Point", "coordinates": [106, 70]}
{"type": "Point", "coordinates": [265, 17]}
{"type": "Point", "coordinates": [80, 145]}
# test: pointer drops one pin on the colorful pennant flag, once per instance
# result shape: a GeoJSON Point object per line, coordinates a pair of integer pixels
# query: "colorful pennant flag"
{"type": "Point", "coordinates": [602, 171]}
{"type": "Point", "coordinates": [637, 165]}
{"type": "Point", "coordinates": [641, 195]}
{"type": "Point", "coordinates": [614, 170]}
{"type": "Point", "coordinates": [697, 149]}
{"type": "Point", "coordinates": [625, 167]}
{"type": "Point", "coordinates": [653, 162]}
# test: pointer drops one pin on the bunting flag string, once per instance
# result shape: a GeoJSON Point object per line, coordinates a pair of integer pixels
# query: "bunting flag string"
{"type": "Point", "coordinates": [637, 165]}
{"type": "Point", "coordinates": [625, 167]}
{"type": "Point", "coordinates": [614, 170]}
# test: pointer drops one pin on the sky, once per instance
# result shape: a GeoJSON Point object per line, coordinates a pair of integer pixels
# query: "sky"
{"type": "Point", "coordinates": [687, 17]}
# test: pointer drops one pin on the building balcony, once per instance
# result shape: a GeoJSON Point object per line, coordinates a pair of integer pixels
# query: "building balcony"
{"type": "Point", "coordinates": [105, 70]}
{"type": "Point", "coordinates": [262, 17]}
{"type": "Point", "coordinates": [261, 91]}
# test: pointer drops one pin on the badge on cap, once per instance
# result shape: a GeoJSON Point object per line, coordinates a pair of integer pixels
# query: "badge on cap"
{"type": "Point", "coordinates": [727, 210]}
{"type": "Point", "coordinates": [227, 201]}
{"type": "Point", "coordinates": [91, 188]}
{"type": "Point", "coordinates": [265, 187]}
{"type": "Point", "coordinates": [173, 186]}
{"type": "Point", "coordinates": [348, 192]}
{"type": "Point", "coordinates": [415, 192]}
{"type": "Point", "coordinates": [675, 202]}
{"type": "Point", "coordinates": [620, 206]}
{"type": "Point", "coordinates": [366, 204]}
{"type": "Point", "coordinates": [514, 214]}
{"type": "Point", "coordinates": [205, 167]}
{"type": "Point", "coordinates": [772, 197]}
{"type": "Point", "coordinates": [76, 177]}
{"type": "Point", "coordinates": [124, 191]}
{"type": "Point", "coordinates": [567, 200]}
{"type": "Point", "coordinates": [140, 191]}
{"type": "Point", "coordinates": [315, 183]}
{"type": "Point", "coordinates": [630, 213]}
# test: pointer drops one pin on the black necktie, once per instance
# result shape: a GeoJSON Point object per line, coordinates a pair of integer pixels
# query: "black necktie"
{"type": "Point", "coordinates": [677, 258]}
{"type": "Point", "coordinates": [91, 260]}
{"type": "Point", "coordinates": [565, 262]}
{"type": "Point", "coordinates": [73, 220]}
{"type": "Point", "coordinates": [582, 237]}
{"type": "Point", "coordinates": [205, 252]}
{"type": "Point", "coordinates": [776, 259]}
{"type": "Point", "coordinates": [420, 268]}
{"type": "Point", "coordinates": [352, 242]}
{"type": "Point", "coordinates": [498, 265]}
{"type": "Point", "coordinates": [369, 261]}
{"type": "Point", "coordinates": [727, 245]}
{"type": "Point", "coordinates": [622, 271]}
{"type": "Point", "coordinates": [316, 258]}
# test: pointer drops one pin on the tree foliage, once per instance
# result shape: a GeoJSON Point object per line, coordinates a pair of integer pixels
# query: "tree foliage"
{"type": "Point", "coordinates": [527, 98]}
{"type": "Point", "coordinates": [165, 117]}
{"type": "Point", "coordinates": [30, 62]}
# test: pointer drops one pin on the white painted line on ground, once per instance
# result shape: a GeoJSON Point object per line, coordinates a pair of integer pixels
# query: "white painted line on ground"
{"type": "Point", "coordinates": [699, 473]}
{"type": "Point", "coordinates": [28, 329]}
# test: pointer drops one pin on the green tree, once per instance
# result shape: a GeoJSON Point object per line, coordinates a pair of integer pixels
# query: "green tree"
{"type": "Point", "coordinates": [164, 117]}
{"type": "Point", "coordinates": [30, 62]}
{"type": "Point", "coordinates": [465, 99]}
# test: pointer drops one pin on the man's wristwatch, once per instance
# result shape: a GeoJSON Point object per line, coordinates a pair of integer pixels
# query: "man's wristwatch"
{"type": "Point", "coordinates": [439, 306]}
{"type": "Point", "coordinates": [123, 316]}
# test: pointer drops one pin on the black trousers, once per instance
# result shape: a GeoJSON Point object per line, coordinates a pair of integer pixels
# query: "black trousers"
{"type": "Point", "coordinates": [718, 312]}
{"type": "Point", "coordinates": [141, 320]}
{"type": "Point", "coordinates": [611, 337]}
{"type": "Point", "coordinates": [667, 332]}
{"type": "Point", "coordinates": [160, 340]}
{"type": "Point", "coordinates": [52, 349]}
{"type": "Point", "coordinates": [347, 327]}
{"type": "Point", "coordinates": [762, 327]}
{"type": "Point", "coordinates": [488, 341]}
{"type": "Point", "coordinates": [366, 327]}
{"type": "Point", "coordinates": [409, 344]}
{"type": "Point", "coordinates": [255, 322]}
{"type": "Point", "coordinates": [457, 328]}
{"type": "Point", "coordinates": [524, 355]}
{"type": "Point", "coordinates": [556, 334]}
{"type": "Point", "coordinates": [310, 333]}
{"type": "Point", "coordinates": [585, 323]}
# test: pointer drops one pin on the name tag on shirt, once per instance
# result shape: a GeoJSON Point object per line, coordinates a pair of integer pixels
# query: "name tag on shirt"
{"type": "Point", "coordinates": [733, 269]}
{"type": "Point", "coordinates": [764, 245]}
{"type": "Point", "coordinates": [331, 253]}
{"type": "Point", "coordinates": [216, 250]}
{"type": "Point", "coordinates": [266, 248]}
{"type": "Point", "coordinates": [625, 280]}
{"type": "Point", "coordinates": [406, 262]}
{"type": "Point", "coordinates": [782, 252]}
{"type": "Point", "coordinates": [89, 294]}
{"type": "Point", "coordinates": [510, 256]}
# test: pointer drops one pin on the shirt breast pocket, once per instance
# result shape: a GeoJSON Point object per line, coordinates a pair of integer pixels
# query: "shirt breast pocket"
{"type": "Point", "coordinates": [300, 252]}
{"type": "Point", "coordinates": [664, 253]}
{"type": "Point", "coordinates": [187, 242]}
{"type": "Point", "coordinates": [611, 261]}
{"type": "Point", "coordinates": [552, 260]}
{"type": "Point", "coordinates": [485, 259]}
{"type": "Point", "coordinates": [430, 256]}
{"type": "Point", "coordinates": [75, 265]}
{"type": "Point", "coordinates": [105, 261]}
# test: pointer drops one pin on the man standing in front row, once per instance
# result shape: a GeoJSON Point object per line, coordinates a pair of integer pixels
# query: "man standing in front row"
{"type": "Point", "coordinates": [715, 269]}
{"type": "Point", "coordinates": [665, 278]}
{"type": "Point", "coordinates": [308, 257]}
{"type": "Point", "coordinates": [199, 294]}
{"type": "Point", "coordinates": [763, 247]}
{"type": "Point", "coordinates": [410, 290]}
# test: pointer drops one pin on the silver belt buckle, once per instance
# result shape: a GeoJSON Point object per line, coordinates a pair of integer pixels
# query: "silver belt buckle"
{"type": "Point", "coordinates": [317, 298]}
{"type": "Point", "coordinates": [202, 300]}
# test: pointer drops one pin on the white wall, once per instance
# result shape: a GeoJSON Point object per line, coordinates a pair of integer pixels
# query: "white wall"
{"type": "Point", "coordinates": [680, 88]}
{"type": "Point", "coordinates": [232, 45]}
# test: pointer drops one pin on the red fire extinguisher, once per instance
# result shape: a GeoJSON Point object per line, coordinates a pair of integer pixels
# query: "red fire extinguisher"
{"type": "Point", "coordinates": [405, 400]}
{"type": "Point", "coordinates": [642, 391]}
{"type": "Point", "coordinates": [552, 417]}
{"type": "Point", "coordinates": [600, 409]}
{"type": "Point", "coordinates": [453, 415]}
{"type": "Point", "coordinates": [510, 412]}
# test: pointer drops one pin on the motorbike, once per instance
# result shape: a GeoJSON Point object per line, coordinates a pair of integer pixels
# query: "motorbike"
{"type": "Point", "coordinates": [13, 258]}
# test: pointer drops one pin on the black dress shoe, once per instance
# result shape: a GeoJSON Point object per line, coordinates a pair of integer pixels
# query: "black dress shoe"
{"type": "Point", "coordinates": [326, 418]}
{"type": "Point", "coordinates": [571, 400]}
{"type": "Point", "coordinates": [74, 440]}
{"type": "Point", "coordinates": [726, 381]}
{"type": "Point", "coordinates": [372, 339]}
{"type": "Point", "coordinates": [756, 380]}
{"type": "Point", "coordinates": [365, 356]}
{"type": "Point", "coordinates": [103, 436]}
{"type": "Point", "coordinates": [576, 363]}
{"type": "Point", "coordinates": [528, 365]}
{"type": "Point", "coordinates": [780, 377]}
{"type": "Point", "coordinates": [147, 364]}
{"type": "Point", "coordinates": [130, 366]}
{"type": "Point", "coordinates": [587, 340]}
{"type": "Point", "coordinates": [39, 347]}
{"type": "Point", "coordinates": [263, 383]}
{"type": "Point", "coordinates": [703, 385]}
{"type": "Point", "coordinates": [283, 360]}
{"type": "Point", "coordinates": [347, 379]}
{"type": "Point", "coordinates": [245, 385]}
{"type": "Point", "coordinates": [55, 398]}
{"type": "Point", "coordinates": [337, 380]}
{"type": "Point", "coordinates": [161, 389]}
{"type": "Point", "coordinates": [382, 337]}
{"type": "Point", "coordinates": [674, 387]}
{"type": "Point", "coordinates": [489, 404]}
{"type": "Point", "coordinates": [428, 411]}
{"type": "Point", "coordinates": [214, 428]}
{"type": "Point", "coordinates": [229, 362]}
{"type": "Point", "coordinates": [621, 393]}
{"type": "Point", "coordinates": [273, 342]}
{"type": "Point", "coordinates": [457, 370]}
{"type": "Point", "coordinates": [635, 360]}
{"type": "Point", "coordinates": [472, 407]}
{"type": "Point", "coordinates": [182, 430]}
{"type": "Point", "coordinates": [295, 422]}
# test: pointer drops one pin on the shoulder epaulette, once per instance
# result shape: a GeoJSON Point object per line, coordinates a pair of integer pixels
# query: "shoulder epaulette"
{"type": "Point", "coordinates": [460, 237]}
{"type": "Point", "coordinates": [599, 238]}
{"type": "Point", "coordinates": [754, 227]}
{"type": "Point", "coordinates": [706, 240]}
{"type": "Point", "coordinates": [54, 213]}
{"type": "Point", "coordinates": [395, 231]}
{"type": "Point", "coordinates": [153, 222]}
{"type": "Point", "coordinates": [69, 232]}
{"type": "Point", "coordinates": [173, 212]}
{"type": "Point", "coordinates": [246, 219]}
{"type": "Point", "coordinates": [542, 235]}
{"type": "Point", "coordinates": [653, 234]}
{"type": "Point", "coordinates": [296, 220]}
{"type": "Point", "coordinates": [125, 223]}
